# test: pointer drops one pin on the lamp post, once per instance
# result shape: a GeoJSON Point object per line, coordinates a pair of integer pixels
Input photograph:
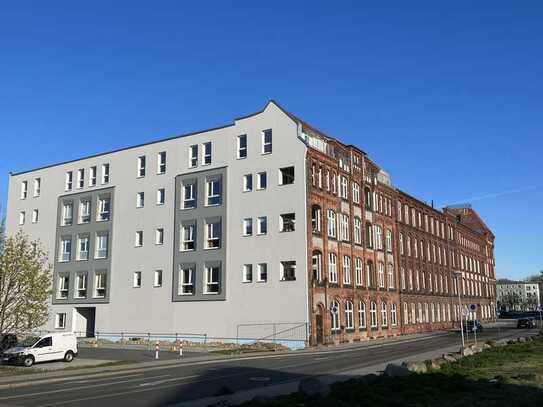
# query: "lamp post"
{"type": "Point", "coordinates": [457, 275]}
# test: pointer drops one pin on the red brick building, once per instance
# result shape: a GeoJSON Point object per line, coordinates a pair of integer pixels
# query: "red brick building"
{"type": "Point", "coordinates": [382, 262]}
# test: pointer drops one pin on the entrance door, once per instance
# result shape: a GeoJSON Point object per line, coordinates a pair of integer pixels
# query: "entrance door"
{"type": "Point", "coordinates": [84, 322]}
{"type": "Point", "coordinates": [319, 325]}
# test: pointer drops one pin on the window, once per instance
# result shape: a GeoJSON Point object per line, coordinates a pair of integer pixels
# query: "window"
{"type": "Point", "coordinates": [267, 141]}
{"type": "Point", "coordinates": [63, 287]}
{"type": "Point", "coordinates": [242, 146]}
{"type": "Point", "coordinates": [262, 225]}
{"type": "Point", "coordinates": [187, 237]}
{"type": "Point", "coordinates": [193, 156]}
{"type": "Point", "coordinates": [389, 240]}
{"type": "Point", "coordinates": [213, 192]}
{"type": "Point", "coordinates": [81, 286]}
{"type": "Point", "coordinates": [286, 175]}
{"type": "Point", "coordinates": [247, 273]}
{"type": "Point", "coordinates": [369, 236]}
{"type": "Point", "coordinates": [141, 166]}
{"type": "Point", "coordinates": [161, 163]}
{"type": "Point", "coordinates": [67, 213]}
{"type": "Point", "coordinates": [262, 275]}
{"type": "Point", "coordinates": [92, 176]}
{"type": "Point", "coordinates": [160, 196]}
{"type": "Point", "coordinates": [100, 285]}
{"type": "Point", "coordinates": [105, 173]}
{"type": "Point", "coordinates": [83, 248]}
{"type": "Point", "coordinates": [261, 180]}
{"type": "Point", "coordinates": [344, 228]}
{"type": "Point", "coordinates": [37, 187]}
{"type": "Point", "coordinates": [368, 199]}
{"type": "Point", "coordinates": [80, 178]}
{"type": "Point", "coordinates": [139, 238]}
{"type": "Point", "coordinates": [24, 189]}
{"type": "Point", "coordinates": [35, 216]}
{"type": "Point", "coordinates": [316, 218]}
{"type": "Point", "coordinates": [378, 238]}
{"type": "Point", "coordinates": [60, 320]}
{"type": "Point", "coordinates": [334, 311]}
{"type": "Point", "coordinates": [316, 267]}
{"type": "Point", "coordinates": [247, 227]}
{"type": "Point", "coordinates": [344, 188]}
{"type": "Point", "coordinates": [136, 279]}
{"type": "Point", "coordinates": [206, 153]}
{"type": "Point", "coordinates": [213, 235]}
{"type": "Point", "coordinates": [157, 281]}
{"type": "Point", "coordinates": [140, 199]}
{"type": "Point", "coordinates": [247, 183]}
{"type": "Point", "coordinates": [331, 223]}
{"type": "Point", "coordinates": [65, 250]}
{"type": "Point", "coordinates": [84, 211]}
{"type": "Point", "coordinates": [159, 236]}
{"type": "Point", "coordinates": [357, 231]}
{"type": "Point", "coordinates": [102, 245]}
{"type": "Point", "coordinates": [384, 316]}
{"type": "Point", "coordinates": [104, 208]}
{"type": "Point", "coordinates": [349, 323]}
{"type": "Point", "coordinates": [369, 274]}
{"type": "Point", "coordinates": [381, 275]}
{"type": "Point", "coordinates": [288, 270]}
{"type": "Point", "coordinates": [346, 270]}
{"type": "Point", "coordinates": [332, 267]}
{"type": "Point", "coordinates": [68, 181]}
{"type": "Point", "coordinates": [373, 314]}
{"type": "Point", "coordinates": [22, 217]}
{"type": "Point", "coordinates": [212, 273]}
{"type": "Point", "coordinates": [361, 315]}
{"type": "Point", "coordinates": [391, 282]}
{"type": "Point", "coordinates": [186, 280]}
{"type": "Point", "coordinates": [356, 193]}
{"type": "Point", "coordinates": [288, 222]}
{"type": "Point", "coordinates": [189, 195]}
{"type": "Point", "coordinates": [393, 315]}
{"type": "Point", "coordinates": [359, 273]}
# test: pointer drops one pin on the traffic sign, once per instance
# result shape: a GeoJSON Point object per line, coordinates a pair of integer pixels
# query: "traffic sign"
{"type": "Point", "coordinates": [473, 307]}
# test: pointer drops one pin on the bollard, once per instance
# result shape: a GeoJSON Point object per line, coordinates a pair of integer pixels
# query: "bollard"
{"type": "Point", "coordinates": [156, 350]}
{"type": "Point", "coordinates": [181, 348]}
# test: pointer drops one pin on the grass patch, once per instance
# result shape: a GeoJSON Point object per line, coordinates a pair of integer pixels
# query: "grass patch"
{"type": "Point", "coordinates": [506, 376]}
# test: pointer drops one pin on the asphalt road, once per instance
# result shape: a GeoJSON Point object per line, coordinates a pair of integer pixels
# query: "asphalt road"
{"type": "Point", "coordinates": [167, 385]}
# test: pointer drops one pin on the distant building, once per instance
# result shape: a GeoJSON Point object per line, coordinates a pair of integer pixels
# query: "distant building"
{"type": "Point", "coordinates": [528, 294]}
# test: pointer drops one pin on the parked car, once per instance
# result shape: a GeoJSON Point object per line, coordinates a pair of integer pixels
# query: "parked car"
{"type": "Point", "coordinates": [526, 323]}
{"type": "Point", "coordinates": [50, 347]}
{"type": "Point", "coordinates": [7, 341]}
{"type": "Point", "coordinates": [473, 325]}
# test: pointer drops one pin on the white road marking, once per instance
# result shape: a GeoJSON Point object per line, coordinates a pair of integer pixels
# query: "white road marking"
{"type": "Point", "coordinates": [97, 379]}
{"type": "Point", "coordinates": [158, 382]}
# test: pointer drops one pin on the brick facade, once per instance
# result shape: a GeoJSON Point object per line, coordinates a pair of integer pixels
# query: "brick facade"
{"type": "Point", "coordinates": [382, 263]}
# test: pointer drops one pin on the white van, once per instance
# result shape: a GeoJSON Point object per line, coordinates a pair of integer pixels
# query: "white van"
{"type": "Point", "coordinates": [54, 346]}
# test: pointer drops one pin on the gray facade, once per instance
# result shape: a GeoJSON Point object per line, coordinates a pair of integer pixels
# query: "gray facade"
{"type": "Point", "coordinates": [198, 216]}
{"type": "Point", "coordinates": [78, 229]}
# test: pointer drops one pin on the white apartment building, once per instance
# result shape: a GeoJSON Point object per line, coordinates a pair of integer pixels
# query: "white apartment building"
{"type": "Point", "coordinates": [527, 292]}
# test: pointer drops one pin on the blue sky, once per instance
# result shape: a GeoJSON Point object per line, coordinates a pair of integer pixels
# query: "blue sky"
{"type": "Point", "coordinates": [447, 98]}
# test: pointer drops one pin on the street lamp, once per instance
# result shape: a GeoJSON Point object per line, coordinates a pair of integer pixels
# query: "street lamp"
{"type": "Point", "coordinates": [458, 275]}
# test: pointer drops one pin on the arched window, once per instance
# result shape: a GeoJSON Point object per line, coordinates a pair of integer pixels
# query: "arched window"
{"type": "Point", "coordinates": [405, 312]}
{"type": "Point", "coordinates": [402, 277]}
{"type": "Point", "coordinates": [393, 314]}
{"type": "Point", "coordinates": [413, 313]}
{"type": "Point", "coordinates": [384, 315]}
{"type": "Point", "coordinates": [316, 218]}
{"type": "Point", "coordinates": [391, 282]}
{"type": "Point", "coordinates": [331, 221]}
{"type": "Point", "coordinates": [433, 309]}
{"type": "Point", "coordinates": [332, 268]}
{"type": "Point", "coordinates": [378, 237]}
{"type": "Point", "coordinates": [361, 314]}
{"type": "Point", "coordinates": [356, 193]}
{"type": "Point", "coordinates": [389, 240]}
{"type": "Point", "coordinates": [357, 230]}
{"type": "Point", "coordinates": [400, 242]}
{"type": "Point", "coordinates": [438, 313]}
{"type": "Point", "coordinates": [419, 310]}
{"type": "Point", "coordinates": [334, 312]}
{"type": "Point", "coordinates": [426, 313]}
{"type": "Point", "coordinates": [317, 266]}
{"type": "Point", "coordinates": [368, 199]}
{"type": "Point", "coordinates": [349, 323]}
{"type": "Point", "coordinates": [346, 270]}
{"type": "Point", "coordinates": [373, 314]}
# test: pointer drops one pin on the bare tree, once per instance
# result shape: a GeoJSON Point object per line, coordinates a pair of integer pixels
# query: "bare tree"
{"type": "Point", "coordinates": [25, 285]}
